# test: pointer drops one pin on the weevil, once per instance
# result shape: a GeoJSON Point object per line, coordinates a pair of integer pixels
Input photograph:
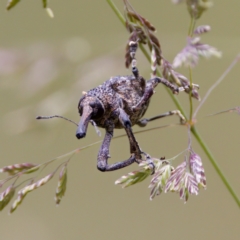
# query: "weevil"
{"type": "Point", "coordinates": [120, 102]}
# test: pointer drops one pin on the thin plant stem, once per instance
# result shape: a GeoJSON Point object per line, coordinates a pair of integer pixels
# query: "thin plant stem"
{"type": "Point", "coordinates": [117, 12]}
{"type": "Point", "coordinates": [190, 27]}
{"type": "Point", "coordinates": [190, 33]}
{"type": "Point", "coordinates": [190, 95]}
{"type": "Point", "coordinates": [215, 165]}
{"type": "Point", "coordinates": [233, 63]}
{"type": "Point", "coordinates": [235, 109]}
{"type": "Point", "coordinates": [193, 129]}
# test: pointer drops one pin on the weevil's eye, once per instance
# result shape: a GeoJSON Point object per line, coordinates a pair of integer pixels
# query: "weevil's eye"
{"type": "Point", "coordinates": [81, 105]}
{"type": "Point", "coordinates": [97, 107]}
{"type": "Point", "coordinates": [92, 104]}
{"type": "Point", "coordinates": [80, 110]}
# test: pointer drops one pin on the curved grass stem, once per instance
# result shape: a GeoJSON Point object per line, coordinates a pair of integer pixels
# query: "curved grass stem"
{"type": "Point", "coordinates": [178, 105]}
{"type": "Point", "coordinates": [230, 67]}
{"type": "Point", "coordinates": [215, 165]}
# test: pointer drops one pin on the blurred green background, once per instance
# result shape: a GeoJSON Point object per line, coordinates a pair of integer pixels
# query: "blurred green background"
{"type": "Point", "coordinates": [45, 64]}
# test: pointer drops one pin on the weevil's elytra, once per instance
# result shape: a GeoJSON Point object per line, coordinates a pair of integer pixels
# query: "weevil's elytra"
{"type": "Point", "coordinates": [119, 102]}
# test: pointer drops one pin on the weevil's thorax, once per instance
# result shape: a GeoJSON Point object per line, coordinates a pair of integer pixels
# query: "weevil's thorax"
{"type": "Point", "coordinates": [130, 90]}
{"type": "Point", "coordinates": [119, 92]}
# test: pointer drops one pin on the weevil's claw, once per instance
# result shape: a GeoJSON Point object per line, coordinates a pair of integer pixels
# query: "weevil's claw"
{"type": "Point", "coordinates": [150, 162]}
{"type": "Point", "coordinates": [151, 165]}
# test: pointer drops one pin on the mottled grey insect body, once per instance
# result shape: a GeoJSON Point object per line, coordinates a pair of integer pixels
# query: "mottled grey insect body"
{"type": "Point", "coordinates": [119, 102]}
{"type": "Point", "coordinates": [123, 92]}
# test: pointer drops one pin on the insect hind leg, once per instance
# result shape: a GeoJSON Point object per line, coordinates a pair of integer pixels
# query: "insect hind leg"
{"type": "Point", "coordinates": [143, 122]}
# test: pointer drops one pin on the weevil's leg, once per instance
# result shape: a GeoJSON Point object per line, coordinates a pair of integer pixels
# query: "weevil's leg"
{"type": "Point", "coordinates": [135, 150]}
{"type": "Point", "coordinates": [133, 45]}
{"type": "Point", "coordinates": [134, 147]}
{"type": "Point", "coordinates": [143, 122]}
{"type": "Point", "coordinates": [126, 123]}
{"type": "Point", "coordinates": [175, 90]}
{"type": "Point", "coordinates": [103, 154]}
{"type": "Point", "coordinates": [149, 90]}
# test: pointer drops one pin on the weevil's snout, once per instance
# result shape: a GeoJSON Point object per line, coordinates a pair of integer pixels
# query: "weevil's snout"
{"type": "Point", "coordinates": [83, 124]}
{"type": "Point", "coordinates": [80, 135]}
{"type": "Point", "coordinates": [86, 114]}
{"type": "Point", "coordinates": [89, 108]}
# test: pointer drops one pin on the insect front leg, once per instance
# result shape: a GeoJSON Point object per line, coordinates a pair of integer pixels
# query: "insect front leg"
{"type": "Point", "coordinates": [126, 123]}
{"type": "Point", "coordinates": [103, 155]}
{"type": "Point", "coordinates": [134, 147]}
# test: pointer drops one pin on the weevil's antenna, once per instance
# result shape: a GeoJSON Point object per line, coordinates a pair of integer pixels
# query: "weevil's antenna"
{"type": "Point", "coordinates": [58, 116]}
{"type": "Point", "coordinates": [55, 116]}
